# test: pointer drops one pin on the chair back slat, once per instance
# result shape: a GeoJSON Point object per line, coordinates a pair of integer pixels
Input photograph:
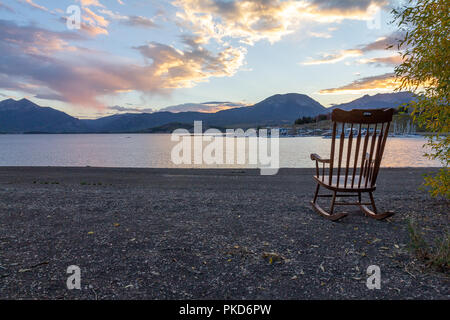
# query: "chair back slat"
{"type": "Point", "coordinates": [358, 143]}
{"type": "Point", "coordinates": [323, 172]}
{"type": "Point", "coordinates": [364, 154]}
{"type": "Point", "coordinates": [372, 148]}
{"type": "Point", "coordinates": [341, 151]}
{"type": "Point", "coordinates": [377, 155]}
{"type": "Point", "coordinates": [362, 157]}
{"type": "Point", "coordinates": [380, 152]}
{"type": "Point", "coordinates": [349, 153]}
{"type": "Point", "coordinates": [333, 143]}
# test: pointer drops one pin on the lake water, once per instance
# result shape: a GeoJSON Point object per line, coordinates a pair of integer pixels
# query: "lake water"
{"type": "Point", "coordinates": [154, 151]}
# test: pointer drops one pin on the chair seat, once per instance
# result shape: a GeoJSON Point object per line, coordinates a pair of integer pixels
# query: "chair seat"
{"type": "Point", "coordinates": [342, 185]}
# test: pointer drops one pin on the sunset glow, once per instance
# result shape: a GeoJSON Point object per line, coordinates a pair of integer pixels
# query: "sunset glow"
{"type": "Point", "coordinates": [149, 55]}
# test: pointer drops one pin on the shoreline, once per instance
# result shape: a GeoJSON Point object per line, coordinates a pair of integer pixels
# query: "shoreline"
{"type": "Point", "coordinates": [416, 134]}
{"type": "Point", "coordinates": [150, 233]}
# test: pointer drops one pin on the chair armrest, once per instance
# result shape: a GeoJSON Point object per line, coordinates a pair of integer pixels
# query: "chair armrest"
{"type": "Point", "coordinates": [315, 156]}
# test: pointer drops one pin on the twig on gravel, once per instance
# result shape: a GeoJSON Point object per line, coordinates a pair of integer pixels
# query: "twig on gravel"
{"type": "Point", "coordinates": [39, 264]}
{"type": "Point", "coordinates": [95, 293]}
{"type": "Point", "coordinates": [33, 266]}
{"type": "Point", "coordinates": [407, 271]}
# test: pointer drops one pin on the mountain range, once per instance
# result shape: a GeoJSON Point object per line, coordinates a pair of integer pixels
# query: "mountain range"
{"type": "Point", "coordinates": [381, 100]}
{"type": "Point", "coordinates": [24, 116]}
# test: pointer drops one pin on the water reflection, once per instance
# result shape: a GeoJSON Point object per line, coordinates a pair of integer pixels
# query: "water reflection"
{"type": "Point", "coordinates": [154, 150]}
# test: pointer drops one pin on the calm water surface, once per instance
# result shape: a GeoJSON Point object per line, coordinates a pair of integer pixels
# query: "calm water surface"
{"type": "Point", "coordinates": [154, 151]}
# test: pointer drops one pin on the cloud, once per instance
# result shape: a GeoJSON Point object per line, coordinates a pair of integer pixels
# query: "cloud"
{"type": "Point", "coordinates": [44, 61]}
{"type": "Point", "coordinates": [255, 20]}
{"type": "Point", "coordinates": [324, 35]}
{"type": "Point", "coordinates": [338, 10]}
{"type": "Point", "coordinates": [333, 58]}
{"type": "Point", "coordinates": [34, 5]}
{"type": "Point", "coordinates": [384, 43]}
{"type": "Point", "coordinates": [95, 19]}
{"type": "Point", "coordinates": [113, 15]}
{"type": "Point", "coordinates": [92, 30]}
{"type": "Point", "coordinates": [383, 61]}
{"type": "Point", "coordinates": [177, 69]}
{"type": "Point", "coordinates": [387, 82]}
{"type": "Point", "coordinates": [92, 24]}
{"type": "Point", "coordinates": [48, 96]}
{"type": "Point", "coordinates": [87, 3]}
{"type": "Point", "coordinates": [34, 40]}
{"type": "Point", "coordinates": [207, 107]}
{"type": "Point", "coordinates": [346, 5]}
{"type": "Point", "coordinates": [6, 7]}
{"type": "Point", "coordinates": [49, 65]}
{"type": "Point", "coordinates": [136, 21]}
{"type": "Point", "coordinates": [131, 109]}
{"type": "Point", "coordinates": [140, 21]}
{"type": "Point", "coordinates": [250, 21]}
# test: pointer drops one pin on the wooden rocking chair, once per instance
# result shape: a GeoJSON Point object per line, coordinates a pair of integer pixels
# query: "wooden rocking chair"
{"type": "Point", "coordinates": [358, 173]}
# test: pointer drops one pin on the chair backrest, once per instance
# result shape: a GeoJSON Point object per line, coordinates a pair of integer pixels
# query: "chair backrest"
{"type": "Point", "coordinates": [370, 128]}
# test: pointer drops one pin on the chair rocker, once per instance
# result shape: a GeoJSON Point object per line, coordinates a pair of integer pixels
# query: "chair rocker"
{"type": "Point", "coordinates": [360, 137]}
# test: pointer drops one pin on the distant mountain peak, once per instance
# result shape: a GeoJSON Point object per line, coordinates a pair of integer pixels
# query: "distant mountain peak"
{"type": "Point", "coordinates": [289, 95]}
{"type": "Point", "coordinates": [25, 100]}
{"type": "Point", "coordinates": [7, 102]}
{"type": "Point", "coordinates": [297, 98]}
{"type": "Point", "coordinates": [26, 116]}
{"type": "Point", "coordinates": [18, 116]}
{"type": "Point", "coordinates": [379, 100]}
{"type": "Point", "coordinates": [22, 104]}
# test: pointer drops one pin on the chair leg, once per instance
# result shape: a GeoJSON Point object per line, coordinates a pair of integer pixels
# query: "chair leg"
{"type": "Point", "coordinates": [373, 203]}
{"type": "Point", "coordinates": [374, 214]}
{"type": "Point", "coordinates": [333, 200]}
{"type": "Point", "coordinates": [322, 212]}
{"type": "Point", "coordinates": [317, 193]}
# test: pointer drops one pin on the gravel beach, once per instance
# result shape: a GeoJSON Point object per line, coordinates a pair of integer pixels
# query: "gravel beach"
{"type": "Point", "coordinates": [207, 234]}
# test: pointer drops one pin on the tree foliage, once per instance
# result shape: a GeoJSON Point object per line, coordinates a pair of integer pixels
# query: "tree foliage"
{"type": "Point", "coordinates": [425, 70]}
{"type": "Point", "coordinates": [304, 120]}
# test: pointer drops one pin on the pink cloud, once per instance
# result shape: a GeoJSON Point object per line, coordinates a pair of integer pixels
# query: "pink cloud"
{"type": "Point", "coordinates": [44, 59]}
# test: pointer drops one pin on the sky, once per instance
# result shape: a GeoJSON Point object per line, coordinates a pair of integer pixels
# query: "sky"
{"type": "Point", "coordinates": [93, 58]}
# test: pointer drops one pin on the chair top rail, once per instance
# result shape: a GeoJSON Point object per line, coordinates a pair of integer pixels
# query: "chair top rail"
{"type": "Point", "coordinates": [362, 116]}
